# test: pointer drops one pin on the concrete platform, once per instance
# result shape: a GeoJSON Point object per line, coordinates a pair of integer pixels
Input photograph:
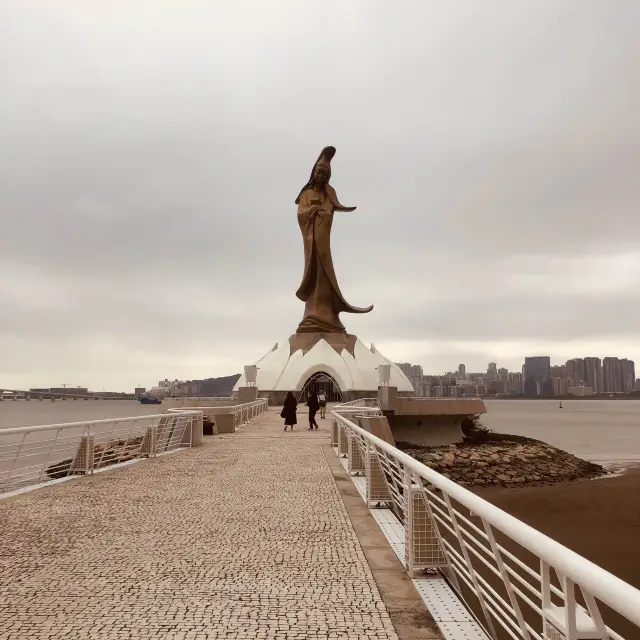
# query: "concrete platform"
{"type": "Point", "coordinates": [245, 537]}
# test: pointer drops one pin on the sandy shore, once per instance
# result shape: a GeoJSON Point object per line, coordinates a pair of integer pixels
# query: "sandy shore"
{"type": "Point", "coordinates": [599, 519]}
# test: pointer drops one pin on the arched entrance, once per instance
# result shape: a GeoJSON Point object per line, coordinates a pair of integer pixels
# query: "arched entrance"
{"type": "Point", "coordinates": [324, 381]}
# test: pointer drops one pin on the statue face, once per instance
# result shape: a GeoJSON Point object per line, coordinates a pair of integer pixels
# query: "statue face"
{"type": "Point", "coordinates": [321, 175]}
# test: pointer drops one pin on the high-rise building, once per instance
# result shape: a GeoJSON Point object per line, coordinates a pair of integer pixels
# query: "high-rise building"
{"type": "Point", "coordinates": [503, 373]}
{"type": "Point", "coordinates": [462, 370]}
{"type": "Point", "coordinates": [410, 370]}
{"type": "Point", "coordinates": [628, 371]}
{"type": "Point", "coordinates": [492, 372]}
{"type": "Point", "coordinates": [612, 375]}
{"type": "Point", "coordinates": [593, 374]}
{"type": "Point", "coordinates": [560, 386]}
{"type": "Point", "coordinates": [537, 376]}
{"type": "Point", "coordinates": [575, 371]}
{"type": "Point", "coordinates": [514, 382]}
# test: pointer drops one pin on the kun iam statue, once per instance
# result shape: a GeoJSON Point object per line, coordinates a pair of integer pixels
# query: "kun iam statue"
{"type": "Point", "coordinates": [319, 290]}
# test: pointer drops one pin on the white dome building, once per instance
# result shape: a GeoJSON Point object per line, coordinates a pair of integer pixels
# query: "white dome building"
{"type": "Point", "coordinates": [339, 363]}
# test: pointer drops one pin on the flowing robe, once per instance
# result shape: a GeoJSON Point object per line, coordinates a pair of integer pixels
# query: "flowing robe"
{"type": "Point", "coordinates": [319, 288]}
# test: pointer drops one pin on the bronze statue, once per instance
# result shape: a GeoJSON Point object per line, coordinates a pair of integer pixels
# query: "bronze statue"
{"type": "Point", "coordinates": [317, 202]}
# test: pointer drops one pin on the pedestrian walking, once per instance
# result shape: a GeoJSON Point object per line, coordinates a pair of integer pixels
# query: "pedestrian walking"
{"type": "Point", "coordinates": [289, 411]}
{"type": "Point", "coordinates": [313, 405]}
{"type": "Point", "coordinates": [322, 401]}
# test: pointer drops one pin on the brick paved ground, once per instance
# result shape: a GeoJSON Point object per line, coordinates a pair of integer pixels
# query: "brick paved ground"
{"type": "Point", "coordinates": [244, 537]}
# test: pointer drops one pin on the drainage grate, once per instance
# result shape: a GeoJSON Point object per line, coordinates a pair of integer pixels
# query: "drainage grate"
{"type": "Point", "coordinates": [453, 618]}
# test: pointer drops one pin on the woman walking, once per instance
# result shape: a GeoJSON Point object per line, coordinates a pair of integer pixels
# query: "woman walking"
{"type": "Point", "coordinates": [313, 405]}
{"type": "Point", "coordinates": [289, 411]}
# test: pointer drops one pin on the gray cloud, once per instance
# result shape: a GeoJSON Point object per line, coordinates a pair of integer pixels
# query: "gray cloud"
{"type": "Point", "coordinates": [151, 156]}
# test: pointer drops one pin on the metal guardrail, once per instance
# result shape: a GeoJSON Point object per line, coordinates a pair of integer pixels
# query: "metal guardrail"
{"type": "Point", "coordinates": [242, 413]}
{"type": "Point", "coordinates": [196, 401]}
{"type": "Point", "coordinates": [522, 584]}
{"type": "Point", "coordinates": [246, 412]}
{"type": "Point", "coordinates": [33, 455]}
{"type": "Point", "coordinates": [362, 402]}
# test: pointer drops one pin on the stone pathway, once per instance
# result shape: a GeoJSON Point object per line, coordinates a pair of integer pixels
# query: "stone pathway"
{"type": "Point", "coordinates": [244, 537]}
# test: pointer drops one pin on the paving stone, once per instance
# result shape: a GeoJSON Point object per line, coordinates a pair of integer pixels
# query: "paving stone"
{"type": "Point", "coordinates": [244, 537]}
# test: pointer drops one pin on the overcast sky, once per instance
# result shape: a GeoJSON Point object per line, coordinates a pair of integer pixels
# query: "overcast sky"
{"type": "Point", "coordinates": [151, 152]}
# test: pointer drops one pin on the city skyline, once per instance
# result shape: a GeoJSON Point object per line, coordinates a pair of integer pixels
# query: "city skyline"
{"type": "Point", "coordinates": [537, 377]}
{"type": "Point", "coordinates": [483, 368]}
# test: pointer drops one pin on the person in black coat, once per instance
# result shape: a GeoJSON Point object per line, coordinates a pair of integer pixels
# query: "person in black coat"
{"type": "Point", "coordinates": [289, 411]}
{"type": "Point", "coordinates": [313, 405]}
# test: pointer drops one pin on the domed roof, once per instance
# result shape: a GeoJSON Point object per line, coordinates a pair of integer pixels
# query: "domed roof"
{"type": "Point", "coordinates": [287, 369]}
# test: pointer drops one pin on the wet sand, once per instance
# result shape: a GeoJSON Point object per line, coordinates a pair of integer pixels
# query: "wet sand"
{"type": "Point", "coordinates": [599, 519]}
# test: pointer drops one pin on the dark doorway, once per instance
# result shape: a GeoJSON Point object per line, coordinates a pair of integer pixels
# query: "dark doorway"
{"type": "Point", "coordinates": [324, 381]}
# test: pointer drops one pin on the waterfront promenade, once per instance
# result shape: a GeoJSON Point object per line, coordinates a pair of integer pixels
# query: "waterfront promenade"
{"type": "Point", "coordinates": [257, 534]}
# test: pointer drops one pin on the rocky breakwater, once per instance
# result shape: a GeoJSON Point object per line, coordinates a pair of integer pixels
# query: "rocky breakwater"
{"type": "Point", "coordinates": [503, 462]}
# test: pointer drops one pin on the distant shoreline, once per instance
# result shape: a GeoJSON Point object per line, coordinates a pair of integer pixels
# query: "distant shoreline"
{"type": "Point", "coordinates": [598, 396]}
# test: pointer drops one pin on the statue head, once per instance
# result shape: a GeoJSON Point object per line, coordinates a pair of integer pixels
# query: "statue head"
{"type": "Point", "coordinates": [320, 175]}
{"type": "Point", "coordinates": [321, 172]}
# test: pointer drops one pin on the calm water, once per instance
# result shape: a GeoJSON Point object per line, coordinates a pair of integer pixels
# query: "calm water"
{"type": "Point", "coordinates": [603, 431]}
{"type": "Point", "coordinates": [23, 413]}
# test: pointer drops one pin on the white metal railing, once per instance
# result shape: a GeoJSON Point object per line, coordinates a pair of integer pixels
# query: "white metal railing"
{"type": "Point", "coordinates": [362, 402]}
{"type": "Point", "coordinates": [246, 412]}
{"type": "Point", "coordinates": [196, 401]}
{"type": "Point", "coordinates": [449, 398]}
{"type": "Point", "coordinates": [521, 583]}
{"type": "Point", "coordinates": [242, 413]}
{"type": "Point", "coordinates": [31, 455]}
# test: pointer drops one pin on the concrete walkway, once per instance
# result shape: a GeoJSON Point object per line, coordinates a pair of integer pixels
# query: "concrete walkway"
{"type": "Point", "coordinates": [244, 537]}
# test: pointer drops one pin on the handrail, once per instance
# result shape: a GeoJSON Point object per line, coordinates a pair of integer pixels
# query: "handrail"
{"type": "Point", "coordinates": [85, 423]}
{"type": "Point", "coordinates": [603, 585]}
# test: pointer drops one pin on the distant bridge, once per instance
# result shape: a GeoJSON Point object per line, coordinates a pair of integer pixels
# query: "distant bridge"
{"type": "Point", "coordinates": [19, 394]}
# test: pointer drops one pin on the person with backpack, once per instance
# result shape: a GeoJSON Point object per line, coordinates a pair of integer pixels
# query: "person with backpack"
{"type": "Point", "coordinates": [322, 401]}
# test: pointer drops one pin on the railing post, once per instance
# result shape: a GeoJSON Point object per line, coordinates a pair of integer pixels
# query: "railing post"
{"type": "Point", "coordinates": [15, 459]}
{"type": "Point", "coordinates": [148, 446]}
{"type": "Point", "coordinates": [335, 429]}
{"type": "Point", "coordinates": [83, 460]}
{"type": "Point", "coordinates": [377, 490]}
{"type": "Point", "coordinates": [408, 521]}
{"type": "Point", "coordinates": [343, 443]}
{"type": "Point", "coordinates": [355, 462]}
{"type": "Point", "coordinates": [161, 427]}
{"type": "Point", "coordinates": [561, 623]}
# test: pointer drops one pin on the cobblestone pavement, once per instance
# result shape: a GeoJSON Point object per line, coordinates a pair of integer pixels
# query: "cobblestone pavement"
{"type": "Point", "coordinates": [244, 537]}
